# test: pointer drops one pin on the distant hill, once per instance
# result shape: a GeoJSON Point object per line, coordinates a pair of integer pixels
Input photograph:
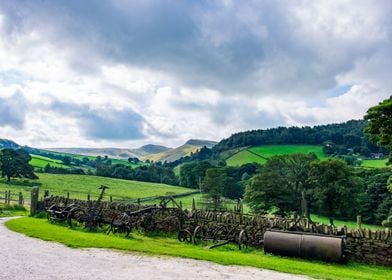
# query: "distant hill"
{"type": "Point", "coordinates": [150, 149]}
{"type": "Point", "coordinates": [191, 146]}
{"type": "Point", "coordinates": [110, 152]}
{"type": "Point", "coordinates": [341, 138]}
{"type": "Point", "coordinates": [5, 143]}
{"type": "Point", "coordinates": [146, 152]}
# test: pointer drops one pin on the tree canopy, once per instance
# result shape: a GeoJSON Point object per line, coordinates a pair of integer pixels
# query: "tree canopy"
{"type": "Point", "coordinates": [280, 183]}
{"type": "Point", "coordinates": [380, 124]}
{"type": "Point", "coordinates": [15, 163]}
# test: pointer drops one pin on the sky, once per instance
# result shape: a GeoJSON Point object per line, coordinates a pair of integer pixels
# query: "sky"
{"type": "Point", "coordinates": [126, 73]}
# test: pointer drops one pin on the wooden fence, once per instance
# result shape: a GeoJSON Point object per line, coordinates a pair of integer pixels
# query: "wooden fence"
{"type": "Point", "coordinates": [7, 197]}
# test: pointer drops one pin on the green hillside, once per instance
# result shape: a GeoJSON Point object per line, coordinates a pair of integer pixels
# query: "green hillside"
{"type": "Point", "coordinates": [377, 163]}
{"type": "Point", "coordinates": [80, 185]}
{"type": "Point", "coordinates": [41, 162]}
{"type": "Point", "coordinates": [244, 156]}
{"type": "Point", "coordinates": [260, 154]}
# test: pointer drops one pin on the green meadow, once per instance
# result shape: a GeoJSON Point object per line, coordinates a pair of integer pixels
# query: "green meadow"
{"type": "Point", "coordinates": [80, 185]}
{"type": "Point", "coordinates": [377, 163]}
{"type": "Point", "coordinates": [41, 161]}
{"type": "Point", "coordinates": [260, 154]}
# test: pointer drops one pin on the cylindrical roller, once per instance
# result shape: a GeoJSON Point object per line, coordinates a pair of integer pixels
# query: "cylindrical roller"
{"type": "Point", "coordinates": [305, 245]}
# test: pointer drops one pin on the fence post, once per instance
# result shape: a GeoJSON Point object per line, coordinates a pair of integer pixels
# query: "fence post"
{"type": "Point", "coordinates": [193, 204]}
{"type": "Point", "coordinates": [20, 202]}
{"type": "Point", "coordinates": [67, 195]}
{"type": "Point", "coordinates": [34, 200]}
{"type": "Point", "coordinates": [359, 221]}
{"type": "Point", "coordinates": [5, 197]}
{"type": "Point", "coordinates": [88, 197]}
{"type": "Point", "coordinates": [9, 197]}
{"type": "Point", "coordinates": [111, 199]}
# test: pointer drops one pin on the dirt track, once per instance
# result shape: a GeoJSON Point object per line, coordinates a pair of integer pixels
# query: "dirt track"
{"type": "Point", "coordinates": [22, 257]}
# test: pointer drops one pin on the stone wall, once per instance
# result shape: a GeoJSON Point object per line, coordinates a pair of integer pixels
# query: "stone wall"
{"type": "Point", "coordinates": [372, 247]}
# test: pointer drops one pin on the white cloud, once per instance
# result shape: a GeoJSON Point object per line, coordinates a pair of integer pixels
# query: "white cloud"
{"type": "Point", "coordinates": [204, 70]}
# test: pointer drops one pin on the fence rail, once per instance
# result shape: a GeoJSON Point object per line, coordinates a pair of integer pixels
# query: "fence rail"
{"type": "Point", "coordinates": [7, 197]}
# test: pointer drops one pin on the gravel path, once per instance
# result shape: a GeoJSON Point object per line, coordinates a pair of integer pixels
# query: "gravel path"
{"type": "Point", "coordinates": [22, 257]}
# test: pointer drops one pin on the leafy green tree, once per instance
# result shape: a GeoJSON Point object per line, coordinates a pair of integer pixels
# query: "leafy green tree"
{"type": "Point", "coordinates": [380, 124]}
{"type": "Point", "coordinates": [192, 174]}
{"type": "Point", "coordinates": [380, 131]}
{"type": "Point", "coordinates": [336, 188]}
{"type": "Point", "coordinates": [280, 183]}
{"type": "Point", "coordinates": [66, 160]}
{"type": "Point", "coordinates": [15, 163]}
{"type": "Point", "coordinates": [214, 182]}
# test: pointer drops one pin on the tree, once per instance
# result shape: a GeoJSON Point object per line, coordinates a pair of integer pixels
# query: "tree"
{"type": "Point", "coordinates": [15, 163]}
{"type": "Point", "coordinates": [214, 182]}
{"type": "Point", "coordinates": [336, 188]}
{"type": "Point", "coordinates": [380, 130]}
{"type": "Point", "coordinates": [66, 160]}
{"type": "Point", "coordinates": [380, 124]}
{"type": "Point", "coordinates": [280, 183]}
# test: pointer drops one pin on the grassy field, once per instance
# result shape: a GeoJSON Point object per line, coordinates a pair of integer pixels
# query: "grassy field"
{"type": "Point", "coordinates": [226, 255]}
{"type": "Point", "coordinates": [80, 157]}
{"type": "Point", "coordinates": [41, 162]}
{"type": "Point", "coordinates": [80, 185]}
{"type": "Point", "coordinates": [260, 154]}
{"type": "Point", "coordinates": [12, 210]}
{"type": "Point", "coordinates": [377, 163]}
{"type": "Point", "coordinates": [349, 224]}
{"type": "Point", "coordinates": [243, 157]}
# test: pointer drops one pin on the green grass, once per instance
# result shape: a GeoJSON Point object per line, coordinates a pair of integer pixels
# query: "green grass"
{"type": "Point", "coordinates": [227, 255]}
{"type": "Point", "coordinates": [377, 163]}
{"type": "Point", "coordinates": [80, 185]}
{"type": "Point", "coordinates": [260, 154]}
{"type": "Point", "coordinates": [80, 157]}
{"type": "Point", "coordinates": [269, 151]}
{"type": "Point", "coordinates": [41, 162]}
{"type": "Point", "coordinates": [243, 157]}
{"type": "Point", "coordinates": [349, 224]}
{"type": "Point", "coordinates": [12, 210]}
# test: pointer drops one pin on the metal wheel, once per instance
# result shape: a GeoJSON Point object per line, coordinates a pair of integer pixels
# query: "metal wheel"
{"type": "Point", "coordinates": [243, 239]}
{"type": "Point", "coordinates": [184, 236]}
{"type": "Point", "coordinates": [76, 215]}
{"type": "Point", "coordinates": [198, 235]}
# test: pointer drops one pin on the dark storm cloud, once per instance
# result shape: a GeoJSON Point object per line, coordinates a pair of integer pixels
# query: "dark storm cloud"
{"type": "Point", "coordinates": [103, 124]}
{"type": "Point", "coordinates": [13, 110]}
{"type": "Point", "coordinates": [254, 48]}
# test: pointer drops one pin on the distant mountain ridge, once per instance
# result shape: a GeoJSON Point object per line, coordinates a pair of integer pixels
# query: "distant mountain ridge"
{"type": "Point", "coordinates": [147, 152]}
{"type": "Point", "coordinates": [191, 146]}
{"type": "Point", "coordinates": [5, 144]}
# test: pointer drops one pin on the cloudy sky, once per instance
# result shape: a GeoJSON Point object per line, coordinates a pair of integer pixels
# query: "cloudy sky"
{"type": "Point", "coordinates": [126, 73]}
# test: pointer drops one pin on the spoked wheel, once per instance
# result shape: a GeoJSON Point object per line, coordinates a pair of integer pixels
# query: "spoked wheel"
{"type": "Point", "coordinates": [75, 216]}
{"type": "Point", "coordinates": [184, 236]}
{"type": "Point", "coordinates": [198, 235]}
{"type": "Point", "coordinates": [220, 233]}
{"type": "Point", "coordinates": [120, 224]}
{"type": "Point", "coordinates": [243, 239]}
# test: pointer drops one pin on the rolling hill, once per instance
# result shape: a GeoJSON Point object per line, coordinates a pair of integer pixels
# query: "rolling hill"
{"type": "Point", "coordinates": [80, 185]}
{"type": "Point", "coordinates": [191, 146]}
{"type": "Point", "coordinates": [147, 152]}
{"type": "Point", "coordinates": [260, 154]}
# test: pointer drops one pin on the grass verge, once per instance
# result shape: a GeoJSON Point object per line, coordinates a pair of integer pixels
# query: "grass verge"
{"type": "Point", "coordinates": [227, 255]}
{"type": "Point", "coordinates": [12, 210]}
